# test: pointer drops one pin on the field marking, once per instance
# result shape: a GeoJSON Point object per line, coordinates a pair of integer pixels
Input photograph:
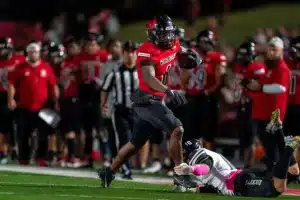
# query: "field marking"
{"type": "Point", "coordinates": [63, 185]}
{"type": "Point", "coordinates": [78, 174]}
{"type": "Point", "coordinates": [88, 196]}
{"type": "Point", "coordinates": [83, 174]}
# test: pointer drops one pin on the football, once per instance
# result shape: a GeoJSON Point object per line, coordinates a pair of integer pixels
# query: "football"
{"type": "Point", "coordinates": [189, 59]}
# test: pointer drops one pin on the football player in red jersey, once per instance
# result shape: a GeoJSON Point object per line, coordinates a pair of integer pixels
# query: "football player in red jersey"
{"type": "Point", "coordinates": [70, 106]}
{"type": "Point", "coordinates": [154, 58]}
{"type": "Point", "coordinates": [246, 67]}
{"type": "Point", "coordinates": [90, 62]}
{"type": "Point", "coordinates": [200, 84]}
{"type": "Point", "coordinates": [8, 62]}
{"type": "Point", "coordinates": [291, 124]}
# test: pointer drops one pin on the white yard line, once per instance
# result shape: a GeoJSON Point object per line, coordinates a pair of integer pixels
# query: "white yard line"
{"type": "Point", "coordinates": [78, 174]}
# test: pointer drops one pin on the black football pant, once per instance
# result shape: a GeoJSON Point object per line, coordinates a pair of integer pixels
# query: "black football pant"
{"type": "Point", "coordinates": [196, 117]}
{"type": "Point", "coordinates": [271, 142]}
{"type": "Point", "coordinates": [250, 183]}
{"type": "Point", "coordinates": [28, 122]}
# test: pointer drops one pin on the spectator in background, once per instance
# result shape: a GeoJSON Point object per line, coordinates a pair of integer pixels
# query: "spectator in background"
{"type": "Point", "coordinates": [269, 33]}
{"type": "Point", "coordinates": [191, 14]}
{"type": "Point", "coordinates": [260, 37]}
{"type": "Point", "coordinates": [57, 29]}
{"type": "Point", "coordinates": [35, 84]}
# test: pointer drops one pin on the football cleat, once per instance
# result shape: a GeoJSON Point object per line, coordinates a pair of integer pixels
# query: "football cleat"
{"type": "Point", "coordinates": [292, 141]}
{"type": "Point", "coordinates": [106, 176]}
{"type": "Point", "coordinates": [184, 180]}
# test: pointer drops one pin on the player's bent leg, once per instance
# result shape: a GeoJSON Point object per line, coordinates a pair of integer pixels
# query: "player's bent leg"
{"type": "Point", "coordinates": [175, 145]}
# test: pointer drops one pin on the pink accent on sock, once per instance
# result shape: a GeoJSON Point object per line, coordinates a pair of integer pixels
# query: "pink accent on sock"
{"type": "Point", "coordinates": [199, 170]}
{"type": "Point", "coordinates": [231, 179]}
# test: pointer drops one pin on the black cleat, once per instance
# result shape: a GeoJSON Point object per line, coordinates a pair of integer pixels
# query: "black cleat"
{"type": "Point", "coordinates": [106, 176]}
{"type": "Point", "coordinates": [127, 175]}
{"type": "Point", "coordinates": [184, 180]}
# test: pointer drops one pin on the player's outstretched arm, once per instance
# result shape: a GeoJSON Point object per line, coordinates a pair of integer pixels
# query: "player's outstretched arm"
{"type": "Point", "coordinates": [198, 170]}
{"type": "Point", "coordinates": [148, 72]}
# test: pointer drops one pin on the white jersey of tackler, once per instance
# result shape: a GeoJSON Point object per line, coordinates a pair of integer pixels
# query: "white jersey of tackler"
{"type": "Point", "coordinates": [218, 174]}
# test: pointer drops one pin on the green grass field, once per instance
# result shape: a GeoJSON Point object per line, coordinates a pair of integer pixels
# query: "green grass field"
{"type": "Point", "coordinates": [240, 24]}
{"type": "Point", "coordinates": [20, 186]}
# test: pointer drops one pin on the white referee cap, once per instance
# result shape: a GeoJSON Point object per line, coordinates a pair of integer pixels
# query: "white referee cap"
{"type": "Point", "coordinates": [33, 47]}
{"type": "Point", "coordinates": [276, 42]}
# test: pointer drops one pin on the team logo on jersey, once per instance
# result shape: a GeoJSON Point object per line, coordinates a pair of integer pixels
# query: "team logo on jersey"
{"type": "Point", "coordinates": [168, 59]}
{"type": "Point", "coordinates": [27, 73]}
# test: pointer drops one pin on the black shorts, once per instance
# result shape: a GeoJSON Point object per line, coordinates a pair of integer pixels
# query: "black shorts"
{"type": "Point", "coordinates": [90, 116]}
{"type": "Point", "coordinates": [246, 133]}
{"type": "Point", "coordinates": [70, 115]}
{"type": "Point", "coordinates": [291, 123]}
{"type": "Point", "coordinates": [250, 184]}
{"type": "Point", "coordinates": [151, 119]}
{"type": "Point", "coordinates": [196, 117]}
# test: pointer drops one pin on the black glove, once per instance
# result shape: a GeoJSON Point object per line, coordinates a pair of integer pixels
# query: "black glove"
{"type": "Point", "coordinates": [189, 59]}
{"type": "Point", "coordinates": [175, 97]}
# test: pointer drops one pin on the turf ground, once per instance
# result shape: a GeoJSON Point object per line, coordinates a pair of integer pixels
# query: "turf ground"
{"type": "Point", "coordinates": [33, 183]}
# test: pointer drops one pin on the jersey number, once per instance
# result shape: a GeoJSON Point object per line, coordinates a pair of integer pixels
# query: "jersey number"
{"type": "Point", "coordinates": [293, 84]}
{"type": "Point", "coordinates": [198, 79]}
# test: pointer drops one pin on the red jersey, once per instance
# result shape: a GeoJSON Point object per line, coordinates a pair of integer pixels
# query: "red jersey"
{"type": "Point", "coordinates": [203, 77]}
{"type": "Point", "coordinates": [174, 81]}
{"type": "Point", "coordinates": [264, 104]}
{"type": "Point", "coordinates": [7, 67]}
{"type": "Point", "coordinates": [162, 59]}
{"type": "Point", "coordinates": [252, 71]}
{"type": "Point", "coordinates": [90, 65]}
{"type": "Point", "coordinates": [35, 83]}
{"type": "Point", "coordinates": [294, 91]}
{"type": "Point", "coordinates": [67, 77]}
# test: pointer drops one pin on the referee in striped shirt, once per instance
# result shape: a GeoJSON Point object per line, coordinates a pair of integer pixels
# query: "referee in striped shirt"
{"type": "Point", "coordinates": [122, 82]}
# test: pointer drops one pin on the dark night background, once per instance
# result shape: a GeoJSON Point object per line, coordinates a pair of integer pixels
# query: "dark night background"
{"type": "Point", "coordinates": [44, 10]}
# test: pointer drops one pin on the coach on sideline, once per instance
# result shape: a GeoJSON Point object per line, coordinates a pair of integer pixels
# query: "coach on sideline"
{"type": "Point", "coordinates": [271, 97]}
{"type": "Point", "coordinates": [36, 86]}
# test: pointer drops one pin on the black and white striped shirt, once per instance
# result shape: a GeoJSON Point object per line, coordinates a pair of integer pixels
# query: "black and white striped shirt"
{"type": "Point", "coordinates": [122, 82]}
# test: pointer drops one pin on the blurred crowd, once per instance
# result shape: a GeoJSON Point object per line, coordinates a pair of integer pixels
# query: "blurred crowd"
{"type": "Point", "coordinates": [63, 77]}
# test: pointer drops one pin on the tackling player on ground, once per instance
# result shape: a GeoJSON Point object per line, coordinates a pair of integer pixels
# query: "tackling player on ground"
{"type": "Point", "coordinates": [154, 59]}
{"type": "Point", "coordinates": [212, 169]}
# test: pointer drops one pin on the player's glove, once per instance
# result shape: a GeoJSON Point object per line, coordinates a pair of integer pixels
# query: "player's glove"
{"type": "Point", "coordinates": [175, 97]}
{"type": "Point", "coordinates": [189, 59]}
{"type": "Point", "coordinates": [183, 169]}
{"type": "Point", "coordinates": [275, 123]}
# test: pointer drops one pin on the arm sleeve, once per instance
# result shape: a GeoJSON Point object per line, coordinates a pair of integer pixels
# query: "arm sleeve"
{"type": "Point", "coordinates": [273, 88]}
{"type": "Point", "coordinates": [280, 83]}
{"type": "Point", "coordinates": [108, 81]}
